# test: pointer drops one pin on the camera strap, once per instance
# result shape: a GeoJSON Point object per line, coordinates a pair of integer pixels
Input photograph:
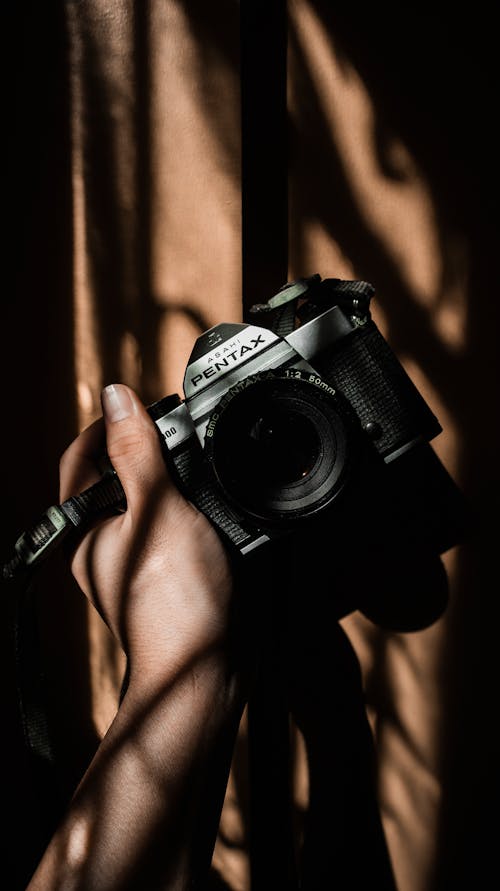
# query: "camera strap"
{"type": "Point", "coordinates": [59, 523]}
{"type": "Point", "coordinates": [302, 299]}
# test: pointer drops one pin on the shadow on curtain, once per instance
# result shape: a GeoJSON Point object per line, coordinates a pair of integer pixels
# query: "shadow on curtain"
{"type": "Point", "coordinates": [128, 171]}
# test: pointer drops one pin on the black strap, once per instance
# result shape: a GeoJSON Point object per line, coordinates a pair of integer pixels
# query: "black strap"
{"type": "Point", "coordinates": [18, 588]}
{"type": "Point", "coordinates": [35, 796]}
{"type": "Point", "coordinates": [70, 518]}
{"type": "Point", "coordinates": [298, 301]}
{"type": "Point", "coordinates": [30, 677]}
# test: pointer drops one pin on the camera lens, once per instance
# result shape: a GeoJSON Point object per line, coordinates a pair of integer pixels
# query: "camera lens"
{"type": "Point", "coordinates": [281, 446]}
{"type": "Point", "coordinates": [278, 446]}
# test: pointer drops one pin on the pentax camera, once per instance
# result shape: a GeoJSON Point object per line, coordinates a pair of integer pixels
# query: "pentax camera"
{"type": "Point", "coordinates": [304, 441]}
{"type": "Point", "coordinates": [305, 424]}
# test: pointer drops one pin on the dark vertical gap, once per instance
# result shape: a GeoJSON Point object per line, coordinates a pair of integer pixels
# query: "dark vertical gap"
{"type": "Point", "coordinates": [264, 153]}
{"type": "Point", "coordinates": [146, 314]}
{"type": "Point", "coordinates": [272, 846]}
{"type": "Point", "coordinates": [264, 193]}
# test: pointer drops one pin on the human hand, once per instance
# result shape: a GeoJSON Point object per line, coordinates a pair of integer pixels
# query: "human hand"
{"type": "Point", "coordinates": [157, 573]}
{"type": "Point", "coordinates": [146, 811]}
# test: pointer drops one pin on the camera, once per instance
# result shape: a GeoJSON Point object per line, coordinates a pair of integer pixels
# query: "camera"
{"type": "Point", "coordinates": [308, 447]}
{"type": "Point", "coordinates": [308, 426]}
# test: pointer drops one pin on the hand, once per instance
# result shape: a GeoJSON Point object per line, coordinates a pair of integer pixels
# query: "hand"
{"type": "Point", "coordinates": [158, 573]}
{"type": "Point", "coordinates": [146, 812]}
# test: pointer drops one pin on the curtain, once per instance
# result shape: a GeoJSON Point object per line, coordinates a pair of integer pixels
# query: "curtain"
{"type": "Point", "coordinates": [127, 172]}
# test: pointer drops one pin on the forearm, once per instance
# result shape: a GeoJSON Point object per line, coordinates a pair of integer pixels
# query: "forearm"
{"type": "Point", "coordinates": [146, 812]}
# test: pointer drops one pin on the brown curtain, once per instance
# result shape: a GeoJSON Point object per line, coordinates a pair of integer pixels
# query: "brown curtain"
{"type": "Point", "coordinates": [127, 188]}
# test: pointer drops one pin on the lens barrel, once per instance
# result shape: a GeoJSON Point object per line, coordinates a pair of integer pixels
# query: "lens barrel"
{"type": "Point", "coordinates": [280, 444]}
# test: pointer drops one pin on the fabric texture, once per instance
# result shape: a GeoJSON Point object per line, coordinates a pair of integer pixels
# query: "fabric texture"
{"type": "Point", "coordinates": [129, 152]}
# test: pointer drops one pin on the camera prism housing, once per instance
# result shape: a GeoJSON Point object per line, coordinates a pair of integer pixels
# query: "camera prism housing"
{"type": "Point", "coordinates": [317, 432]}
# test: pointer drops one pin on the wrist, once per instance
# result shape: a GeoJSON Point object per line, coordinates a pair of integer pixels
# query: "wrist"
{"type": "Point", "coordinates": [173, 717]}
{"type": "Point", "coordinates": [200, 670]}
{"type": "Point", "coordinates": [160, 772]}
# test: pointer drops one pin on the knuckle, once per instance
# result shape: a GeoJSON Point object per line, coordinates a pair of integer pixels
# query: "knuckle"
{"type": "Point", "coordinates": [130, 444]}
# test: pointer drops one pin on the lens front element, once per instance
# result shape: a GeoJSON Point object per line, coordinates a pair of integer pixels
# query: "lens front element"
{"type": "Point", "coordinates": [281, 446]}
{"type": "Point", "coordinates": [277, 443]}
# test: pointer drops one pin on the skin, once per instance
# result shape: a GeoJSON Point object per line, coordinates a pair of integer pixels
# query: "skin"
{"type": "Point", "coordinates": [146, 812]}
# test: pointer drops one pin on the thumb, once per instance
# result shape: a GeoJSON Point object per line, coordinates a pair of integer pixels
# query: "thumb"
{"type": "Point", "coordinates": [132, 443]}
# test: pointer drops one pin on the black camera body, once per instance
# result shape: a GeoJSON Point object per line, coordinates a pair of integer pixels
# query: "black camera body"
{"type": "Point", "coordinates": [306, 444]}
{"type": "Point", "coordinates": [319, 432]}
